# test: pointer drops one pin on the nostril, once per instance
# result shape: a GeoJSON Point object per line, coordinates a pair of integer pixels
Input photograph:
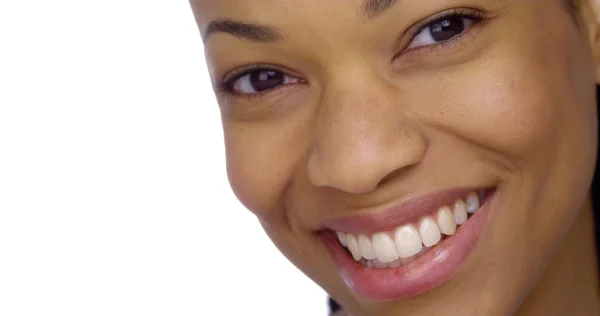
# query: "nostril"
{"type": "Point", "coordinates": [395, 174]}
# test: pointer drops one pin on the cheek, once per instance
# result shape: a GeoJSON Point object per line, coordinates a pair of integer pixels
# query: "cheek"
{"type": "Point", "coordinates": [530, 100]}
{"type": "Point", "coordinates": [514, 115]}
{"type": "Point", "coordinates": [261, 160]}
{"type": "Point", "coordinates": [499, 108]}
{"type": "Point", "coordinates": [532, 105]}
{"type": "Point", "coordinates": [255, 173]}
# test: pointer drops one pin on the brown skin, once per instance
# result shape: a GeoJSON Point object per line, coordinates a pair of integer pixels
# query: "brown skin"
{"type": "Point", "coordinates": [511, 104]}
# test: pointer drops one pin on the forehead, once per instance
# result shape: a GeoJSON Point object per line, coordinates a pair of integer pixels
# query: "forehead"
{"type": "Point", "coordinates": [273, 10]}
{"type": "Point", "coordinates": [325, 12]}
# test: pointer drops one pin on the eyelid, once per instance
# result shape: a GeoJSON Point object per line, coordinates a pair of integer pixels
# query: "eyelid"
{"type": "Point", "coordinates": [240, 72]}
{"type": "Point", "coordinates": [472, 13]}
{"type": "Point", "coordinates": [224, 85]}
{"type": "Point", "coordinates": [476, 14]}
{"type": "Point", "coordinates": [447, 46]}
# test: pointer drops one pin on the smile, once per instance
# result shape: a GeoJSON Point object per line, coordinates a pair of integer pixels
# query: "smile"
{"type": "Point", "coordinates": [391, 249]}
{"type": "Point", "coordinates": [410, 249]}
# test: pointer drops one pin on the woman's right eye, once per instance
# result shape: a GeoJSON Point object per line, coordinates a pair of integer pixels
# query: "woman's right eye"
{"type": "Point", "coordinates": [259, 80]}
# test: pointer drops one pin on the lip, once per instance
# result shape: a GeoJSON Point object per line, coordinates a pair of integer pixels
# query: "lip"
{"type": "Point", "coordinates": [405, 213]}
{"type": "Point", "coordinates": [427, 272]}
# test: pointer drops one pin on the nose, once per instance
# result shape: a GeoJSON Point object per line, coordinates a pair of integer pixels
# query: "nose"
{"type": "Point", "coordinates": [362, 137]}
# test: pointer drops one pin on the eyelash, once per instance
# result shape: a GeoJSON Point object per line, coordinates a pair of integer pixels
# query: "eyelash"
{"type": "Point", "coordinates": [478, 16]}
{"type": "Point", "coordinates": [225, 85]}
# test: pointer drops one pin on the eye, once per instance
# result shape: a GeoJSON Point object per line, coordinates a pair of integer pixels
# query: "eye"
{"type": "Point", "coordinates": [441, 30]}
{"type": "Point", "coordinates": [259, 80]}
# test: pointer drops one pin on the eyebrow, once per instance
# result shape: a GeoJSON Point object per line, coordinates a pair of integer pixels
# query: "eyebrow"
{"type": "Point", "coordinates": [266, 34]}
{"type": "Point", "coordinates": [249, 31]}
{"type": "Point", "coordinates": [374, 8]}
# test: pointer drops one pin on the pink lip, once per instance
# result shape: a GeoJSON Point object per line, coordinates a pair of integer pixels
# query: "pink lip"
{"type": "Point", "coordinates": [431, 270]}
{"type": "Point", "coordinates": [407, 212]}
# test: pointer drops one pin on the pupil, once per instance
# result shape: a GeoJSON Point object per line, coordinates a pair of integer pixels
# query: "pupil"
{"type": "Point", "coordinates": [266, 79]}
{"type": "Point", "coordinates": [447, 29]}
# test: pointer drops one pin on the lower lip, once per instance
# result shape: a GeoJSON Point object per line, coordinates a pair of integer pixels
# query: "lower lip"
{"type": "Point", "coordinates": [427, 272]}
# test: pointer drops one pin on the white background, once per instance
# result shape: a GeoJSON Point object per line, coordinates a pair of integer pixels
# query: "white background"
{"type": "Point", "coordinates": [113, 194]}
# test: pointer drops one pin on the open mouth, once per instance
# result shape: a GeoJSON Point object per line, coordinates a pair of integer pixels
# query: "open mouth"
{"type": "Point", "coordinates": [406, 243]}
{"type": "Point", "coordinates": [410, 249]}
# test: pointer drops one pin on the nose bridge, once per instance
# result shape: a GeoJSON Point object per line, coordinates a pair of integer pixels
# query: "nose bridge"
{"type": "Point", "coordinates": [362, 136]}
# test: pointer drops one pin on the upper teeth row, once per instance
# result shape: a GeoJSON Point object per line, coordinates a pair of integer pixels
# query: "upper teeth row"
{"type": "Point", "coordinates": [408, 240]}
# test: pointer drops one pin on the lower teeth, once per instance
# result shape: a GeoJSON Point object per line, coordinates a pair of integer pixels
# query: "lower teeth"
{"type": "Point", "coordinates": [376, 264]}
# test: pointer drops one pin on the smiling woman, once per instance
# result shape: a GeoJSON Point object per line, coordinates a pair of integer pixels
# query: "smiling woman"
{"type": "Point", "coordinates": [417, 157]}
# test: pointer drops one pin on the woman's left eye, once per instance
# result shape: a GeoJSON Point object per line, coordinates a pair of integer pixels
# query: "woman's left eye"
{"type": "Point", "coordinates": [441, 30]}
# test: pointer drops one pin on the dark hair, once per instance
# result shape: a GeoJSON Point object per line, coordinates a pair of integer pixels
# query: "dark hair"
{"type": "Point", "coordinates": [596, 191]}
{"type": "Point", "coordinates": [335, 307]}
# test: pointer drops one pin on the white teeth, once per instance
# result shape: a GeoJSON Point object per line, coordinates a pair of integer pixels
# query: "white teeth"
{"type": "Point", "coordinates": [408, 241]}
{"type": "Point", "coordinates": [472, 202]}
{"type": "Point", "coordinates": [460, 212]}
{"type": "Point", "coordinates": [445, 220]}
{"type": "Point", "coordinates": [385, 248]}
{"type": "Point", "coordinates": [429, 231]}
{"type": "Point", "coordinates": [393, 249]}
{"type": "Point", "coordinates": [366, 248]}
{"type": "Point", "coordinates": [353, 247]}
{"type": "Point", "coordinates": [342, 239]}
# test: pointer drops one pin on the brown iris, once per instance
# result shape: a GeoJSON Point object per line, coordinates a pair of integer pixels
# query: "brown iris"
{"type": "Point", "coordinates": [448, 28]}
{"type": "Point", "coordinates": [266, 79]}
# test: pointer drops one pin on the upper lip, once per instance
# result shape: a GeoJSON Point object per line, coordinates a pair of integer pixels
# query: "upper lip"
{"type": "Point", "coordinates": [375, 220]}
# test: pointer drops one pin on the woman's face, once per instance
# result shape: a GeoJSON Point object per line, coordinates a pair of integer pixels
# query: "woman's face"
{"type": "Point", "coordinates": [356, 131]}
